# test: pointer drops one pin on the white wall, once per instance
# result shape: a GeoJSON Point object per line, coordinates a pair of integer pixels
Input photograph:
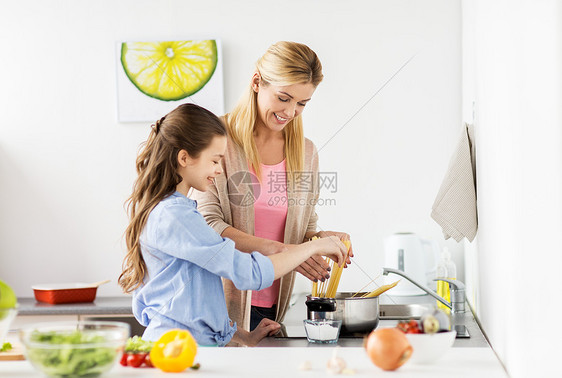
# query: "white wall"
{"type": "Point", "coordinates": [513, 66]}
{"type": "Point", "coordinates": [67, 165]}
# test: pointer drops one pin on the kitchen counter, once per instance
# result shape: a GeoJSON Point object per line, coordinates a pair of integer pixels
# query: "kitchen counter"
{"type": "Point", "coordinates": [121, 307]}
{"type": "Point", "coordinates": [282, 357]}
{"type": "Point", "coordinates": [101, 306]}
{"type": "Point", "coordinates": [285, 362]}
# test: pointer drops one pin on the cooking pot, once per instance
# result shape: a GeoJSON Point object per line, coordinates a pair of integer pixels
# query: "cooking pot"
{"type": "Point", "coordinates": [358, 315]}
{"type": "Point", "coordinates": [415, 256]}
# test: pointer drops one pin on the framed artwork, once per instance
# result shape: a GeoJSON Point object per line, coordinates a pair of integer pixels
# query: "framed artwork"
{"type": "Point", "coordinates": [153, 78]}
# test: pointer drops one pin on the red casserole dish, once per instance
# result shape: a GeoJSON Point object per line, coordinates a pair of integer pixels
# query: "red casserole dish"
{"type": "Point", "coordinates": [65, 293]}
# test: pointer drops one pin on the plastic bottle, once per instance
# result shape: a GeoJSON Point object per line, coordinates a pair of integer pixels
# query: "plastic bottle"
{"type": "Point", "coordinates": [445, 269]}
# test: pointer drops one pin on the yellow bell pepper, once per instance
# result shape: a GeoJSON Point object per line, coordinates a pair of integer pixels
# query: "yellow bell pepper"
{"type": "Point", "coordinates": [174, 352]}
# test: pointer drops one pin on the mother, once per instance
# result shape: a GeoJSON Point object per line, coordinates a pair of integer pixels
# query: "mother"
{"type": "Point", "coordinates": [265, 201]}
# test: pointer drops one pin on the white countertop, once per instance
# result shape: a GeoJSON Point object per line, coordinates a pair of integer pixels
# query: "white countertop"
{"type": "Point", "coordinates": [285, 362]}
{"type": "Point", "coordinates": [282, 358]}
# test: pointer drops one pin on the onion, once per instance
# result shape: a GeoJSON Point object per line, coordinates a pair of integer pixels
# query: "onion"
{"type": "Point", "coordinates": [388, 348]}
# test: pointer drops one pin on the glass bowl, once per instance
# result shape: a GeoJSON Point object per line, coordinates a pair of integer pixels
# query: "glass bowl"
{"type": "Point", "coordinates": [430, 347]}
{"type": "Point", "coordinates": [7, 316]}
{"type": "Point", "coordinates": [88, 348]}
{"type": "Point", "coordinates": [322, 331]}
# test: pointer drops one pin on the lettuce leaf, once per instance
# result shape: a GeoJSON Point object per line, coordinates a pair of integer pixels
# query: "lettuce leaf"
{"type": "Point", "coordinates": [137, 345]}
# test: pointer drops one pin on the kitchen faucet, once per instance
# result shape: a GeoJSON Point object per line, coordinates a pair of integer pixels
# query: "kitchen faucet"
{"type": "Point", "coordinates": [458, 295]}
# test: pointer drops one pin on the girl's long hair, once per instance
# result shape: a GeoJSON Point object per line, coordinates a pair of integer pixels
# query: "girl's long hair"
{"type": "Point", "coordinates": [188, 127]}
{"type": "Point", "coordinates": [284, 63]}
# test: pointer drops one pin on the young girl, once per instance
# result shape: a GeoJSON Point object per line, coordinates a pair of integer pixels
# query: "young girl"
{"type": "Point", "coordinates": [175, 261]}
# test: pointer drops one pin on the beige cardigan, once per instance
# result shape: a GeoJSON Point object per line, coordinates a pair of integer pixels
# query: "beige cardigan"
{"type": "Point", "coordinates": [230, 203]}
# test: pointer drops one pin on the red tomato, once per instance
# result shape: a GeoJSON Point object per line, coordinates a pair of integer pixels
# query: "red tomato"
{"type": "Point", "coordinates": [414, 327]}
{"type": "Point", "coordinates": [402, 326]}
{"type": "Point", "coordinates": [411, 326]}
{"type": "Point", "coordinates": [147, 361]}
{"type": "Point", "coordinates": [413, 330]}
{"type": "Point", "coordinates": [124, 359]}
{"type": "Point", "coordinates": [136, 360]}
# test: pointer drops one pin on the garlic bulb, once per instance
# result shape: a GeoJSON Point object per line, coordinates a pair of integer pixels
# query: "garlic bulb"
{"type": "Point", "coordinates": [335, 364]}
{"type": "Point", "coordinates": [305, 365]}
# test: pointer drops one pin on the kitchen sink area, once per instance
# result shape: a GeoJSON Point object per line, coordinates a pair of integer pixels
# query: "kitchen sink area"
{"type": "Point", "coordinates": [402, 311]}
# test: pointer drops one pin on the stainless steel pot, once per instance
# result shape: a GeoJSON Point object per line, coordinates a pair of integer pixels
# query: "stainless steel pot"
{"type": "Point", "coordinates": [358, 315]}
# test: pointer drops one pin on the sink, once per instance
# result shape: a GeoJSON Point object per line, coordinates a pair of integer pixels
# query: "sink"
{"type": "Point", "coordinates": [402, 311]}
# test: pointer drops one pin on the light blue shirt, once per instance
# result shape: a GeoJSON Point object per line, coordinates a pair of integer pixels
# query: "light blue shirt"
{"type": "Point", "coordinates": [186, 259]}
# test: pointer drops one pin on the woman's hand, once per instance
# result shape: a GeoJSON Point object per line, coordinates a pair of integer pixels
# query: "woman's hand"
{"type": "Point", "coordinates": [267, 327]}
{"type": "Point", "coordinates": [342, 236]}
{"type": "Point", "coordinates": [315, 269]}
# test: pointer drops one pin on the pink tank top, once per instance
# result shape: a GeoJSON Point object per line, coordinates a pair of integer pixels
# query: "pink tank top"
{"type": "Point", "coordinates": [270, 214]}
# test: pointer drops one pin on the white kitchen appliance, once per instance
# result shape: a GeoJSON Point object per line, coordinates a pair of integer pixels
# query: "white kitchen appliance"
{"type": "Point", "coordinates": [414, 256]}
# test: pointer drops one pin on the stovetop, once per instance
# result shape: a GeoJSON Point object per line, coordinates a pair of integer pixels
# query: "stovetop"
{"type": "Point", "coordinates": [294, 331]}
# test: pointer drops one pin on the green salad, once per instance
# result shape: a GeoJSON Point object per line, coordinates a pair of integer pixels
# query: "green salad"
{"type": "Point", "coordinates": [68, 355]}
{"type": "Point", "coordinates": [137, 345]}
{"type": "Point", "coordinates": [6, 347]}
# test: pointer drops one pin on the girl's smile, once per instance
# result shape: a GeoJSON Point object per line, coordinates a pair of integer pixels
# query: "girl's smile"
{"type": "Point", "coordinates": [199, 173]}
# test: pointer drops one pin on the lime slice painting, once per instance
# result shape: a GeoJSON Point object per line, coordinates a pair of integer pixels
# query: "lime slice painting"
{"type": "Point", "coordinates": [155, 77]}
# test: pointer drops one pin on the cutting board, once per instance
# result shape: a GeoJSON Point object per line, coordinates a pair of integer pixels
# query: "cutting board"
{"type": "Point", "coordinates": [16, 354]}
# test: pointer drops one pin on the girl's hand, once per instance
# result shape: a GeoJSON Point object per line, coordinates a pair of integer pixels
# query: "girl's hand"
{"type": "Point", "coordinates": [267, 327]}
{"type": "Point", "coordinates": [315, 269]}
{"type": "Point", "coordinates": [331, 247]}
{"type": "Point", "coordinates": [342, 236]}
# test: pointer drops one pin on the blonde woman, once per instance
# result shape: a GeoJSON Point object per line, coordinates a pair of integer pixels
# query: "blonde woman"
{"type": "Point", "coordinates": [266, 199]}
